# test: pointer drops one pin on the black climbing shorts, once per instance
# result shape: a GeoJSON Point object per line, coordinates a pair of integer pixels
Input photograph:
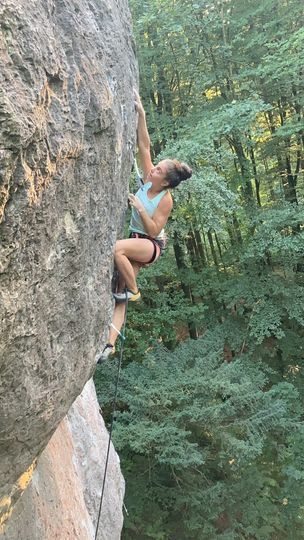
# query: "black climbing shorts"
{"type": "Point", "coordinates": [159, 245]}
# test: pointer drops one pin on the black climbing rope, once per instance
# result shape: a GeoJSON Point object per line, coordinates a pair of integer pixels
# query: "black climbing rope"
{"type": "Point", "coordinates": [122, 336]}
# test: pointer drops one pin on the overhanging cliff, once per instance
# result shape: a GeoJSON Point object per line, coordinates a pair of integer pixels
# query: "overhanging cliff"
{"type": "Point", "coordinates": [67, 130]}
{"type": "Point", "coordinates": [62, 499]}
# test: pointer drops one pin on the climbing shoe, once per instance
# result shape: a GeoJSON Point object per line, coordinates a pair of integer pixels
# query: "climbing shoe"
{"type": "Point", "coordinates": [107, 351]}
{"type": "Point", "coordinates": [127, 295]}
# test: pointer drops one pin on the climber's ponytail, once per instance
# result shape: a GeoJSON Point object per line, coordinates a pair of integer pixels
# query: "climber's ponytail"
{"type": "Point", "coordinates": [177, 172]}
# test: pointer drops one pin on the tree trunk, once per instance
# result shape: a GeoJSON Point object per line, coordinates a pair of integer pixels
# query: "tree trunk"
{"type": "Point", "coordinates": [213, 251]}
{"type": "Point", "coordinates": [181, 265]}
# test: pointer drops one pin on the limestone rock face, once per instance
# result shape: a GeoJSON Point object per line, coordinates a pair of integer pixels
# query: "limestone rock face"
{"type": "Point", "coordinates": [67, 136]}
{"type": "Point", "coordinates": [62, 500]}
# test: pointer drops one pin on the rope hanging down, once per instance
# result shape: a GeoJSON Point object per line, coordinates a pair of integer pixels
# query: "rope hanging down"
{"type": "Point", "coordinates": [122, 336]}
{"type": "Point", "coordinates": [139, 179]}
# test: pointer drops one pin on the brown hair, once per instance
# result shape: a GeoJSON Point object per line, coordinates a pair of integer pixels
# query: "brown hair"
{"type": "Point", "coordinates": [177, 172]}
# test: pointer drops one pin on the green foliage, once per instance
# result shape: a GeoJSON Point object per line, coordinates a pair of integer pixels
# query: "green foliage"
{"type": "Point", "coordinates": [210, 432]}
{"type": "Point", "coordinates": [203, 438]}
{"type": "Point", "coordinates": [209, 201]}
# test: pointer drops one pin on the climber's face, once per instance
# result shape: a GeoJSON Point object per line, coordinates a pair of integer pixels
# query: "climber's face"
{"type": "Point", "coordinates": [158, 174]}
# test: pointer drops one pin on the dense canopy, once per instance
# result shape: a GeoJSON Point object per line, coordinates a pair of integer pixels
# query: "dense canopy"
{"type": "Point", "coordinates": [210, 428]}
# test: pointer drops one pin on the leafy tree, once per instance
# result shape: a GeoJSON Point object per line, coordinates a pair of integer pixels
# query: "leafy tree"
{"type": "Point", "coordinates": [208, 446]}
{"type": "Point", "coordinates": [210, 432]}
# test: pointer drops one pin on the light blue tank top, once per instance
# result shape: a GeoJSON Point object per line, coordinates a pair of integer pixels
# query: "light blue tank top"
{"type": "Point", "coordinates": [136, 224]}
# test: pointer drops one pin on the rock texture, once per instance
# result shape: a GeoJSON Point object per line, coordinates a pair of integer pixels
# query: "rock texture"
{"type": "Point", "coordinates": [67, 135]}
{"type": "Point", "coordinates": [62, 500]}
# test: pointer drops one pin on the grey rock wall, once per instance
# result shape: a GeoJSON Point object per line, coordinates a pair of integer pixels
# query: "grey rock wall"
{"type": "Point", "coordinates": [67, 135]}
{"type": "Point", "coordinates": [62, 500]}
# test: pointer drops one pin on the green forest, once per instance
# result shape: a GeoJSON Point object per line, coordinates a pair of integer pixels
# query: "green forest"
{"type": "Point", "coordinates": [209, 421]}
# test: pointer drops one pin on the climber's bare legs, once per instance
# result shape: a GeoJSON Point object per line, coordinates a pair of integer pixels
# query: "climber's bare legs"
{"type": "Point", "coordinates": [117, 322]}
{"type": "Point", "coordinates": [129, 253]}
{"type": "Point", "coordinates": [117, 319]}
{"type": "Point", "coordinates": [120, 308]}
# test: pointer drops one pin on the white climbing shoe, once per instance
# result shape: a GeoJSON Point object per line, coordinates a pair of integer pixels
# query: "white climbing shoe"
{"type": "Point", "coordinates": [107, 351]}
{"type": "Point", "coordinates": [127, 295]}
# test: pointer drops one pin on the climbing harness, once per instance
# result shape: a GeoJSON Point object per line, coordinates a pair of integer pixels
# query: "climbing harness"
{"type": "Point", "coordinates": [158, 243]}
{"type": "Point", "coordinates": [122, 336]}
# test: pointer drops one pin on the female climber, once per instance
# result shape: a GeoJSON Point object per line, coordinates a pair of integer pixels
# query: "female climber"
{"type": "Point", "coordinates": [151, 208]}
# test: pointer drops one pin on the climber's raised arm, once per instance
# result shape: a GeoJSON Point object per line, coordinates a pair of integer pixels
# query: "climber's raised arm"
{"type": "Point", "coordinates": [143, 139]}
